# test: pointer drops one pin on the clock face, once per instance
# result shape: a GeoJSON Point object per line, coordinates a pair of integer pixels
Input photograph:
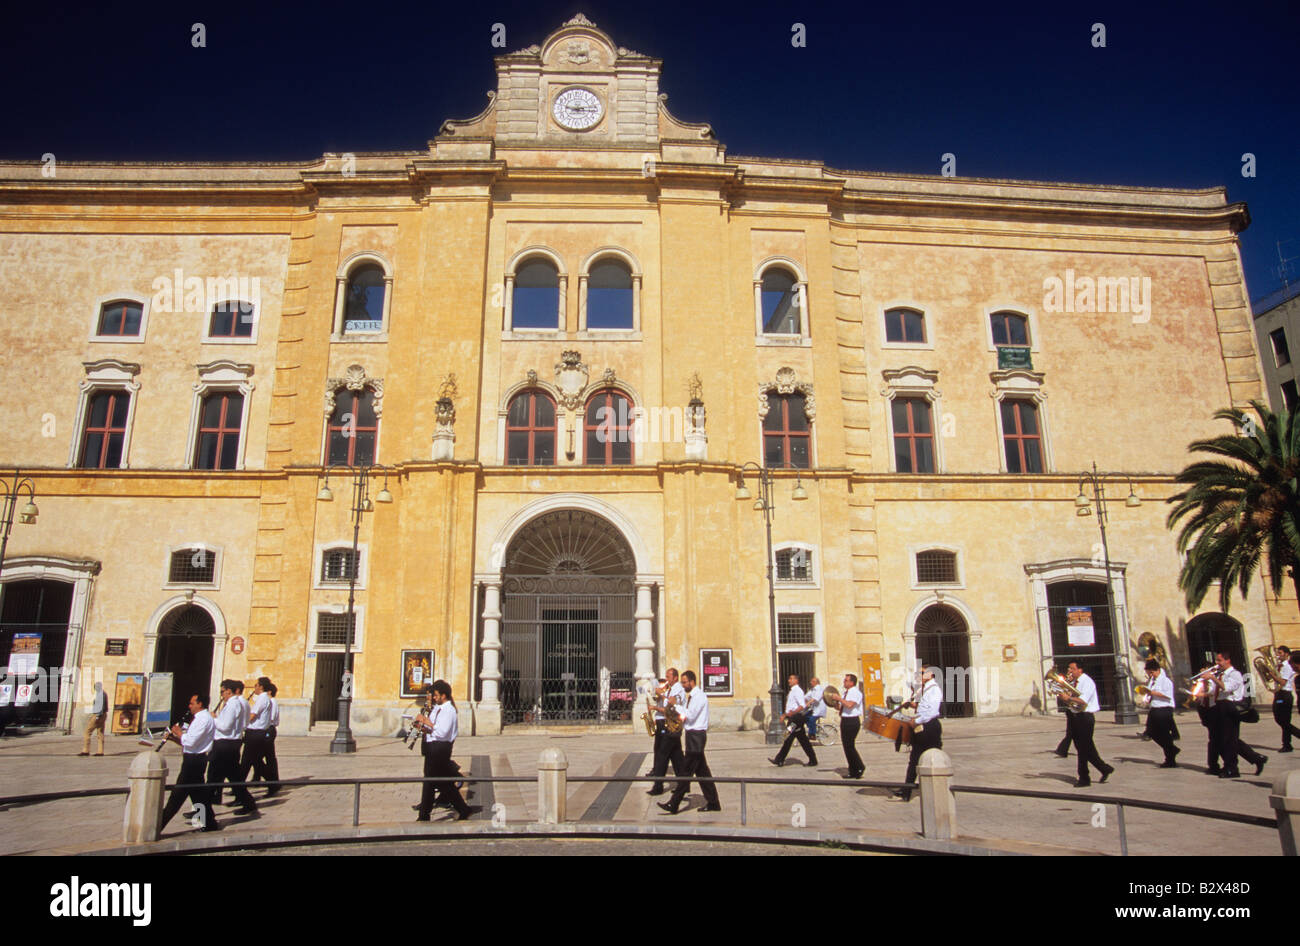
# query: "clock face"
{"type": "Point", "coordinates": [577, 109]}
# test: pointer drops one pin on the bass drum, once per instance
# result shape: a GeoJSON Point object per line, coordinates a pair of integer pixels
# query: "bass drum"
{"type": "Point", "coordinates": [886, 726]}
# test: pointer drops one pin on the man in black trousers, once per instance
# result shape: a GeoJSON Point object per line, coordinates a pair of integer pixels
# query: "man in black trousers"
{"type": "Point", "coordinates": [795, 716]}
{"type": "Point", "coordinates": [441, 726]}
{"type": "Point", "coordinates": [667, 745]}
{"type": "Point", "coordinates": [696, 725]}
{"type": "Point", "coordinates": [851, 724]}
{"type": "Point", "coordinates": [196, 743]}
{"type": "Point", "coordinates": [224, 762]}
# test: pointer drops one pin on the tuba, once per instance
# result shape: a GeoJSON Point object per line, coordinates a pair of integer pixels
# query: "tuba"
{"type": "Point", "coordinates": [1265, 665]}
{"type": "Point", "coordinates": [1059, 686]}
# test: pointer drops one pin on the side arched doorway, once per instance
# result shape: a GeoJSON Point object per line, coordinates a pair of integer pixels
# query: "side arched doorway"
{"type": "Point", "coordinates": [185, 638]}
{"type": "Point", "coordinates": [1078, 612]}
{"type": "Point", "coordinates": [568, 622]}
{"type": "Point", "coordinates": [1207, 634]}
{"type": "Point", "coordinates": [34, 619]}
{"type": "Point", "coordinates": [943, 641]}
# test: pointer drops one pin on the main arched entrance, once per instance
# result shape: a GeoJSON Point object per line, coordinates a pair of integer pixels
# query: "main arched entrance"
{"type": "Point", "coordinates": [568, 622]}
{"type": "Point", "coordinates": [185, 638]}
{"type": "Point", "coordinates": [1209, 634]}
{"type": "Point", "coordinates": [943, 641]}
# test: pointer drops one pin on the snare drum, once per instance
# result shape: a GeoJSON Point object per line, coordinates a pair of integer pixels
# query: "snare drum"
{"type": "Point", "coordinates": [886, 726]}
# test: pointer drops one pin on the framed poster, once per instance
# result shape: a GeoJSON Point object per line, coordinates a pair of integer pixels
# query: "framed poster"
{"type": "Point", "coordinates": [715, 671]}
{"type": "Point", "coordinates": [127, 703]}
{"type": "Point", "coordinates": [25, 656]}
{"type": "Point", "coordinates": [1078, 627]}
{"type": "Point", "coordinates": [417, 672]}
{"type": "Point", "coordinates": [158, 702]}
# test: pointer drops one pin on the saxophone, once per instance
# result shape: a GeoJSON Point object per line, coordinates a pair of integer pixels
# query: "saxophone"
{"type": "Point", "coordinates": [672, 720]}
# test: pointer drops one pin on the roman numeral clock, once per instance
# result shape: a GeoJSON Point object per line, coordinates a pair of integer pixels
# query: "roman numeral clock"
{"type": "Point", "coordinates": [577, 109]}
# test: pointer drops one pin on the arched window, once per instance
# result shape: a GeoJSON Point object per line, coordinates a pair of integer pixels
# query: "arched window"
{"type": "Point", "coordinates": [1010, 330]}
{"type": "Point", "coordinates": [904, 326]}
{"type": "Point", "coordinates": [535, 300]}
{"type": "Point", "coordinates": [353, 428]}
{"type": "Point", "coordinates": [121, 318]}
{"type": "Point", "coordinates": [231, 319]}
{"type": "Point", "coordinates": [786, 433]}
{"type": "Point", "coordinates": [608, 430]}
{"type": "Point", "coordinates": [609, 295]}
{"type": "Point", "coordinates": [363, 299]}
{"type": "Point", "coordinates": [780, 300]}
{"type": "Point", "coordinates": [530, 430]}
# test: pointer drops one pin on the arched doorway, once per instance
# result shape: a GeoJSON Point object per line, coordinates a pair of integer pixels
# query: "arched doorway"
{"type": "Point", "coordinates": [943, 641]}
{"type": "Point", "coordinates": [185, 638]}
{"type": "Point", "coordinates": [1084, 603]}
{"type": "Point", "coordinates": [37, 613]}
{"type": "Point", "coordinates": [568, 622]}
{"type": "Point", "coordinates": [1207, 634]}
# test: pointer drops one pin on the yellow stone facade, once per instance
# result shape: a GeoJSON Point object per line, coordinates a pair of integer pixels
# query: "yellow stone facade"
{"type": "Point", "coordinates": [696, 228]}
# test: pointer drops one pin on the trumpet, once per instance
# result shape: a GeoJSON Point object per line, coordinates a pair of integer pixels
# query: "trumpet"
{"type": "Point", "coordinates": [1202, 687]}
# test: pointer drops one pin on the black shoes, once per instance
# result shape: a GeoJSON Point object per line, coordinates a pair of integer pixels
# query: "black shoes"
{"type": "Point", "coordinates": [711, 808]}
{"type": "Point", "coordinates": [1063, 755]}
{"type": "Point", "coordinates": [421, 817]}
{"type": "Point", "coordinates": [1082, 782]}
{"type": "Point", "coordinates": [1106, 773]}
{"type": "Point", "coordinates": [667, 807]}
{"type": "Point", "coordinates": [1285, 749]}
{"type": "Point", "coordinates": [855, 774]}
{"type": "Point", "coordinates": [811, 763]}
{"type": "Point", "coordinates": [777, 762]}
{"type": "Point", "coordinates": [1229, 775]}
{"type": "Point", "coordinates": [653, 792]}
{"type": "Point", "coordinates": [1259, 766]}
{"type": "Point", "coordinates": [1214, 771]}
{"type": "Point", "coordinates": [1170, 764]}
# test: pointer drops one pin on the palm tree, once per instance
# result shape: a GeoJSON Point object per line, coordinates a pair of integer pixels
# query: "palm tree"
{"type": "Point", "coordinates": [1241, 508]}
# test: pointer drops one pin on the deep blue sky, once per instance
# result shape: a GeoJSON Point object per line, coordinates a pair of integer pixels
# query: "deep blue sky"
{"type": "Point", "coordinates": [1178, 94]}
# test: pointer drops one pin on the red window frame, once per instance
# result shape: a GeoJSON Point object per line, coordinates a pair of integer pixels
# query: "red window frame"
{"type": "Point", "coordinates": [341, 409]}
{"type": "Point", "coordinates": [784, 433]}
{"type": "Point", "coordinates": [622, 432]}
{"type": "Point", "coordinates": [236, 321]}
{"type": "Point", "coordinates": [102, 329]}
{"type": "Point", "coordinates": [911, 435]}
{"type": "Point", "coordinates": [1006, 319]}
{"type": "Point", "coordinates": [101, 462]}
{"type": "Point", "coordinates": [533, 428]}
{"type": "Point", "coordinates": [222, 430]}
{"type": "Point", "coordinates": [1019, 438]}
{"type": "Point", "coordinates": [901, 324]}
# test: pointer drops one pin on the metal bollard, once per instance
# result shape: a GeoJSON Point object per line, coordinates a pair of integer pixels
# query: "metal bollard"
{"type": "Point", "coordinates": [938, 807]}
{"type": "Point", "coordinates": [144, 805]}
{"type": "Point", "coordinates": [1285, 800]}
{"type": "Point", "coordinates": [552, 786]}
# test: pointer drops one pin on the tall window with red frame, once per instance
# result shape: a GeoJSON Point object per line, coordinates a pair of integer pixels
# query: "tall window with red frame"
{"type": "Point", "coordinates": [101, 448]}
{"type": "Point", "coordinates": [218, 443]}
{"type": "Point", "coordinates": [609, 430]}
{"type": "Point", "coordinates": [913, 435]}
{"type": "Point", "coordinates": [1022, 437]}
{"type": "Point", "coordinates": [120, 318]}
{"type": "Point", "coordinates": [353, 428]}
{"type": "Point", "coordinates": [530, 430]}
{"type": "Point", "coordinates": [786, 433]}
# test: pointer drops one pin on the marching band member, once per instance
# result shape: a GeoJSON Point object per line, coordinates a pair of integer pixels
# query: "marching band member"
{"type": "Point", "coordinates": [815, 706]}
{"type": "Point", "coordinates": [196, 743]}
{"type": "Point", "coordinates": [442, 727]}
{"type": "Point", "coordinates": [1227, 711]}
{"type": "Point", "coordinates": [696, 726]}
{"type": "Point", "coordinates": [272, 763]}
{"type": "Point", "coordinates": [851, 724]}
{"type": "Point", "coordinates": [1160, 717]}
{"type": "Point", "coordinates": [1082, 723]}
{"type": "Point", "coordinates": [794, 707]}
{"type": "Point", "coordinates": [1283, 700]}
{"type": "Point", "coordinates": [928, 731]}
{"type": "Point", "coordinates": [255, 736]}
{"type": "Point", "coordinates": [667, 745]}
{"type": "Point", "coordinates": [224, 762]}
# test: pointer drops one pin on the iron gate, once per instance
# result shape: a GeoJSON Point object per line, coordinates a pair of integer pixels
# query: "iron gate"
{"type": "Point", "coordinates": [567, 649]}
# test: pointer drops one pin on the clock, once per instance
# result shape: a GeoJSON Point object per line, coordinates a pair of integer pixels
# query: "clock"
{"type": "Point", "coordinates": [577, 109]}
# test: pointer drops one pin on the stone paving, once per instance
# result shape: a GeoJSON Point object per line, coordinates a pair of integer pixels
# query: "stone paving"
{"type": "Point", "coordinates": [1001, 752]}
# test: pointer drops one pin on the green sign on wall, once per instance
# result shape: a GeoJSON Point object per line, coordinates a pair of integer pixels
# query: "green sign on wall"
{"type": "Point", "coordinates": [1014, 358]}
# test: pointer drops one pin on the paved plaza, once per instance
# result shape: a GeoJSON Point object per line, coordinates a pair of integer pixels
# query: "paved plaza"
{"type": "Point", "coordinates": [1002, 752]}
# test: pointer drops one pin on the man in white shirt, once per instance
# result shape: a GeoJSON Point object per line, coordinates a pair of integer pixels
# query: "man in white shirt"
{"type": "Point", "coordinates": [223, 764]}
{"type": "Point", "coordinates": [1283, 699]}
{"type": "Point", "coordinates": [259, 725]}
{"type": "Point", "coordinates": [1161, 727]}
{"type": "Point", "coordinates": [851, 724]}
{"type": "Point", "coordinates": [1227, 701]}
{"type": "Point", "coordinates": [794, 715]}
{"type": "Point", "coordinates": [441, 728]}
{"type": "Point", "coordinates": [667, 745]}
{"type": "Point", "coordinates": [1082, 722]}
{"type": "Point", "coordinates": [696, 726]}
{"type": "Point", "coordinates": [927, 732]}
{"type": "Point", "coordinates": [196, 743]}
{"type": "Point", "coordinates": [98, 714]}
{"type": "Point", "coordinates": [815, 706]}
{"type": "Point", "coordinates": [272, 763]}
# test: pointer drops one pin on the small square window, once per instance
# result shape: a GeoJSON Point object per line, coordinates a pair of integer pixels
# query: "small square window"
{"type": "Point", "coordinates": [339, 565]}
{"type": "Point", "coordinates": [193, 566]}
{"type": "Point", "coordinates": [793, 565]}
{"type": "Point", "coordinates": [936, 567]}
{"type": "Point", "coordinates": [332, 630]}
{"type": "Point", "coordinates": [795, 629]}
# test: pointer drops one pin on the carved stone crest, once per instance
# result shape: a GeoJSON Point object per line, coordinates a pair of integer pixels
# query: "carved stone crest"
{"type": "Point", "coordinates": [787, 382]}
{"type": "Point", "coordinates": [577, 52]}
{"type": "Point", "coordinates": [354, 379]}
{"type": "Point", "coordinates": [571, 377]}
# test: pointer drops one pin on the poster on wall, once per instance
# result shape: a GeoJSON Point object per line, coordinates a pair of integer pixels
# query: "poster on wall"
{"type": "Point", "coordinates": [127, 703]}
{"type": "Point", "coordinates": [1078, 627]}
{"type": "Point", "coordinates": [417, 671]}
{"type": "Point", "coordinates": [158, 702]}
{"type": "Point", "coordinates": [715, 670]}
{"type": "Point", "coordinates": [25, 657]}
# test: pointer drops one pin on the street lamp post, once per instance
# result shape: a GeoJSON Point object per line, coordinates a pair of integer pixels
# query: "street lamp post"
{"type": "Point", "coordinates": [12, 493]}
{"type": "Point", "coordinates": [1125, 710]}
{"type": "Point", "coordinates": [764, 503]}
{"type": "Point", "coordinates": [343, 741]}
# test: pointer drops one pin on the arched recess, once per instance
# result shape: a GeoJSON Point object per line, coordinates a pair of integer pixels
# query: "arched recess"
{"type": "Point", "coordinates": [940, 614]}
{"type": "Point", "coordinates": [345, 270]}
{"type": "Point", "coordinates": [512, 268]}
{"type": "Point", "coordinates": [620, 255]}
{"type": "Point", "coordinates": [184, 649]}
{"type": "Point", "coordinates": [219, 635]}
{"type": "Point", "coordinates": [1214, 631]}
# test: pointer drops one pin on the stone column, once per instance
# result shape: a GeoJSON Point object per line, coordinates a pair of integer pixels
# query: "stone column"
{"type": "Point", "coordinates": [938, 807]}
{"type": "Point", "coordinates": [644, 647]}
{"type": "Point", "coordinates": [1285, 800]}
{"type": "Point", "coordinates": [488, 712]}
{"type": "Point", "coordinates": [144, 805]}
{"type": "Point", "coordinates": [552, 786]}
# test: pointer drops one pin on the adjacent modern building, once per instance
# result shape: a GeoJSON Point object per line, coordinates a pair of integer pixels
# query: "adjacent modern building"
{"type": "Point", "coordinates": [561, 332]}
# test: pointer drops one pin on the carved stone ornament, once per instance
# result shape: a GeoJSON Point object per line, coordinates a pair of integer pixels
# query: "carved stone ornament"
{"type": "Point", "coordinates": [571, 377]}
{"type": "Point", "coordinates": [446, 409]}
{"type": "Point", "coordinates": [608, 376]}
{"type": "Point", "coordinates": [577, 52]}
{"type": "Point", "coordinates": [354, 380]}
{"type": "Point", "coordinates": [787, 382]}
{"type": "Point", "coordinates": [531, 376]}
{"type": "Point", "coordinates": [695, 386]}
{"type": "Point", "coordinates": [448, 387]}
{"type": "Point", "coordinates": [579, 20]}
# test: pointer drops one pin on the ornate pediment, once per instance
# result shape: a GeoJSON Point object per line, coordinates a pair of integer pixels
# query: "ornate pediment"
{"type": "Point", "coordinates": [354, 379]}
{"type": "Point", "coordinates": [571, 378]}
